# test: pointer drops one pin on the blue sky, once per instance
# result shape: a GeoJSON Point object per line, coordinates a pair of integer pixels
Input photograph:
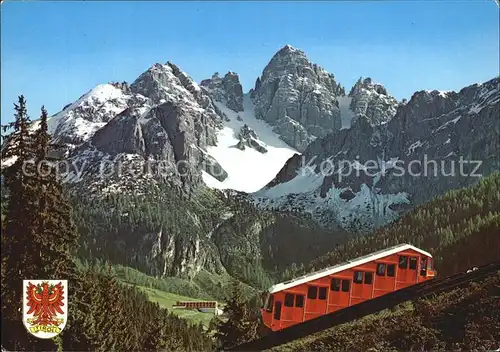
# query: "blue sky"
{"type": "Point", "coordinates": [53, 52]}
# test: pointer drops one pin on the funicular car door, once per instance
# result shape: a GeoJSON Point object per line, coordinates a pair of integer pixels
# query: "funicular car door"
{"type": "Point", "coordinates": [423, 268]}
{"type": "Point", "coordinates": [316, 301]}
{"type": "Point", "coordinates": [385, 273]}
{"type": "Point", "coordinates": [362, 286]}
{"type": "Point", "coordinates": [277, 313]}
{"type": "Point", "coordinates": [407, 271]}
{"type": "Point", "coordinates": [293, 309]}
{"type": "Point", "coordinates": [339, 294]}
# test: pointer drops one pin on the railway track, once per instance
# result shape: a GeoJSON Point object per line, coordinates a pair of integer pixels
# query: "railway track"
{"type": "Point", "coordinates": [371, 306]}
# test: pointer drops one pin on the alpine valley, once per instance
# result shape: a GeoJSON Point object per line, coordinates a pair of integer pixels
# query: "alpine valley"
{"type": "Point", "coordinates": [196, 182]}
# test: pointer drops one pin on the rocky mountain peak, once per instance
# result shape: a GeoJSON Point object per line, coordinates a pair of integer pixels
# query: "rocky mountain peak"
{"type": "Point", "coordinates": [78, 121]}
{"type": "Point", "coordinates": [298, 98]}
{"type": "Point", "coordinates": [290, 51]}
{"type": "Point", "coordinates": [367, 83]}
{"type": "Point", "coordinates": [288, 48]}
{"type": "Point", "coordinates": [370, 101]}
{"type": "Point", "coordinates": [288, 60]}
{"type": "Point", "coordinates": [163, 117]}
{"type": "Point", "coordinates": [165, 82]}
{"type": "Point", "coordinates": [226, 90]}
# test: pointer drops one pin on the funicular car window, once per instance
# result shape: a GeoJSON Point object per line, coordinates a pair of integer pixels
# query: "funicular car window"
{"type": "Point", "coordinates": [322, 293]}
{"type": "Point", "coordinates": [403, 262]}
{"type": "Point", "coordinates": [391, 270]}
{"type": "Point", "coordinates": [335, 286]}
{"type": "Point", "coordinates": [381, 269]}
{"type": "Point", "coordinates": [299, 301]}
{"type": "Point", "coordinates": [288, 300]}
{"type": "Point", "coordinates": [270, 304]}
{"type": "Point", "coordinates": [358, 277]}
{"type": "Point", "coordinates": [413, 263]}
{"type": "Point", "coordinates": [345, 285]}
{"type": "Point", "coordinates": [312, 292]}
{"type": "Point", "coordinates": [368, 278]}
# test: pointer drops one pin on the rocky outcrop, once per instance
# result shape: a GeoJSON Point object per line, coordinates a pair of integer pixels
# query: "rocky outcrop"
{"type": "Point", "coordinates": [371, 101]}
{"type": "Point", "coordinates": [363, 177]}
{"type": "Point", "coordinates": [248, 138]}
{"type": "Point", "coordinates": [166, 255]}
{"type": "Point", "coordinates": [298, 98]}
{"type": "Point", "coordinates": [123, 86]}
{"type": "Point", "coordinates": [226, 90]}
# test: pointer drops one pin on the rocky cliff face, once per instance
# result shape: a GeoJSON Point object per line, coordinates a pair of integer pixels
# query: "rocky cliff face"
{"type": "Point", "coordinates": [226, 90]}
{"type": "Point", "coordinates": [298, 98]}
{"type": "Point", "coordinates": [163, 255]}
{"type": "Point", "coordinates": [363, 177]}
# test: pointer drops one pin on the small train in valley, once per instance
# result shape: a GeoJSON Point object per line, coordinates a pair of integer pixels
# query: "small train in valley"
{"type": "Point", "coordinates": [340, 286]}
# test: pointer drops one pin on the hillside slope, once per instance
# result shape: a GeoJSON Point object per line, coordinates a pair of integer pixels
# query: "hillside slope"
{"type": "Point", "coordinates": [165, 236]}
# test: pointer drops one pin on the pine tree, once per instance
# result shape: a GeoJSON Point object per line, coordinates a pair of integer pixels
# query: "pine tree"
{"type": "Point", "coordinates": [18, 258]}
{"type": "Point", "coordinates": [237, 328]}
{"type": "Point", "coordinates": [56, 236]}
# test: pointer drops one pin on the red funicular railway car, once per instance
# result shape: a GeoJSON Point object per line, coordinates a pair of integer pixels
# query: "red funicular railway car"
{"type": "Point", "coordinates": [337, 287]}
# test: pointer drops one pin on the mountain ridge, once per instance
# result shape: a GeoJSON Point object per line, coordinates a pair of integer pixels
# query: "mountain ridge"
{"type": "Point", "coordinates": [166, 129]}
